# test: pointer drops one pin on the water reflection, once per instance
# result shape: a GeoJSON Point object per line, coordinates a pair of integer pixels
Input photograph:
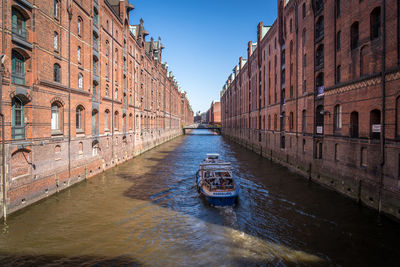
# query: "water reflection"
{"type": "Point", "coordinates": [148, 212]}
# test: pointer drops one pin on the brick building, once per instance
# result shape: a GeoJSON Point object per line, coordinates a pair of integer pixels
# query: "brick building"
{"type": "Point", "coordinates": [214, 113]}
{"type": "Point", "coordinates": [319, 92]}
{"type": "Point", "coordinates": [81, 91]}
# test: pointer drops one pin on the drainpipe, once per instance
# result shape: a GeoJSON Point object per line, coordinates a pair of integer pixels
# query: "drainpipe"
{"type": "Point", "coordinates": [383, 82]}
{"type": "Point", "coordinates": [112, 90]}
{"type": "Point", "coordinates": [3, 154]}
{"type": "Point", "coordinates": [69, 88]}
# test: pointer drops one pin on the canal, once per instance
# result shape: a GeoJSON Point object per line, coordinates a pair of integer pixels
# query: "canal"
{"type": "Point", "coordinates": [147, 212]}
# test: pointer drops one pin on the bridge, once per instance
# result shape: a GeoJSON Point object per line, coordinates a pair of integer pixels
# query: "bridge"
{"type": "Point", "coordinates": [214, 128]}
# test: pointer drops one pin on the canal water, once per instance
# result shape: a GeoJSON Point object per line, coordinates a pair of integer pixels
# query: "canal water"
{"type": "Point", "coordinates": [148, 212]}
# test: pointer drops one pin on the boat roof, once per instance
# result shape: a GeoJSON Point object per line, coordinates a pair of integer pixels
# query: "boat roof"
{"type": "Point", "coordinates": [222, 166]}
{"type": "Point", "coordinates": [212, 156]}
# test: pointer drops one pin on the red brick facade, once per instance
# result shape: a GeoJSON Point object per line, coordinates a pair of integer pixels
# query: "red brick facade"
{"type": "Point", "coordinates": [82, 91]}
{"type": "Point", "coordinates": [214, 113]}
{"type": "Point", "coordinates": [315, 95]}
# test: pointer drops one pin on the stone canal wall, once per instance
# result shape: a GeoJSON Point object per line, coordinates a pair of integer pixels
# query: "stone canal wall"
{"type": "Point", "coordinates": [51, 166]}
{"type": "Point", "coordinates": [337, 172]}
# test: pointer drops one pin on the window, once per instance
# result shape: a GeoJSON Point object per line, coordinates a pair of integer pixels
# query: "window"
{"type": "Point", "coordinates": [336, 152]}
{"type": "Point", "coordinates": [17, 68]}
{"type": "Point", "coordinates": [18, 121]}
{"type": "Point", "coordinates": [375, 22]}
{"type": "Point", "coordinates": [96, 17]}
{"type": "Point", "coordinates": [116, 120]}
{"type": "Point", "coordinates": [79, 26]}
{"type": "Point", "coordinates": [95, 64]}
{"type": "Point", "coordinates": [338, 41]}
{"type": "Point", "coordinates": [106, 118]}
{"type": "Point", "coordinates": [319, 115]}
{"type": "Point", "coordinates": [320, 56]}
{"type": "Point", "coordinates": [354, 124]}
{"type": "Point", "coordinates": [107, 48]}
{"type": "Point", "coordinates": [337, 116]}
{"type": "Point", "coordinates": [291, 121]}
{"type": "Point", "coordinates": [319, 29]}
{"type": "Point", "coordinates": [79, 54]}
{"type": "Point", "coordinates": [95, 122]}
{"type": "Point", "coordinates": [354, 35]}
{"type": "Point", "coordinates": [338, 74]}
{"type": "Point", "coordinates": [275, 122]}
{"type": "Point", "coordinates": [320, 83]}
{"type": "Point", "coordinates": [375, 122]}
{"type": "Point", "coordinates": [107, 91]}
{"type": "Point", "coordinates": [57, 73]}
{"type": "Point", "coordinates": [56, 8]}
{"type": "Point", "coordinates": [304, 10]}
{"type": "Point", "coordinates": [94, 94]}
{"type": "Point", "coordinates": [18, 24]}
{"type": "Point", "coordinates": [79, 118]}
{"type": "Point", "coordinates": [56, 118]}
{"type": "Point", "coordinates": [319, 5]}
{"type": "Point", "coordinates": [80, 81]}
{"type": "Point", "coordinates": [116, 94]}
{"type": "Point", "coordinates": [56, 41]}
{"type": "Point", "coordinates": [95, 42]}
{"type": "Point", "coordinates": [304, 37]}
{"type": "Point", "coordinates": [303, 121]}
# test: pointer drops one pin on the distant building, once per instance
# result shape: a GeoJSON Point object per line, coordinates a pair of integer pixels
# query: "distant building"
{"type": "Point", "coordinates": [214, 113]}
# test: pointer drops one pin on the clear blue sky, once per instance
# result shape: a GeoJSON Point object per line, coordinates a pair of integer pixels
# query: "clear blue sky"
{"type": "Point", "coordinates": [203, 39]}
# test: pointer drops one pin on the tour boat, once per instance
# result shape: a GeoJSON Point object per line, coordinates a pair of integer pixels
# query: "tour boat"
{"type": "Point", "coordinates": [215, 181]}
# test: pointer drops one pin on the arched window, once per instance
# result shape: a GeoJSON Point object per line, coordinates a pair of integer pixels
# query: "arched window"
{"type": "Point", "coordinates": [95, 17]}
{"type": "Point", "coordinates": [55, 8]}
{"type": "Point", "coordinates": [375, 122]}
{"type": "Point", "coordinates": [106, 119]}
{"type": "Point", "coordinates": [79, 26]}
{"type": "Point", "coordinates": [303, 121]}
{"type": "Point", "coordinates": [57, 73]}
{"type": "Point", "coordinates": [319, 115]}
{"type": "Point", "coordinates": [56, 118]}
{"type": "Point", "coordinates": [375, 23]}
{"type": "Point", "coordinates": [338, 74]}
{"type": "Point", "coordinates": [319, 29]}
{"type": "Point", "coordinates": [354, 35]}
{"type": "Point", "coordinates": [124, 123]}
{"type": "Point", "coordinates": [291, 121]}
{"type": "Point", "coordinates": [116, 94]}
{"type": "Point", "coordinates": [354, 124]}
{"type": "Point", "coordinates": [107, 91]}
{"type": "Point", "coordinates": [116, 121]}
{"type": "Point", "coordinates": [79, 54]}
{"type": "Point", "coordinates": [364, 61]}
{"type": "Point", "coordinates": [130, 121]}
{"type": "Point", "coordinates": [95, 124]}
{"type": "Point", "coordinates": [18, 24]}
{"type": "Point", "coordinates": [107, 48]}
{"type": "Point", "coordinates": [80, 81]}
{"type": "Point", "coordinates": [304, 10]}
{"type": "Point", "coordinates": [337, 117]}
{"type": "Point", "coordinates": [17, 120]}
{"type": "Point", "coordinates": [55, 41]}
{"type": "Point", "coordinates": [320, 56]}
{"type": "Point", "coordinates": [79, 118]}
{"type": "Point", "coordinates": [17, 68]}
{"type": "Point", "coordinates": [95, 42]}
{"type": "Point", "coordinates": [94, 93]}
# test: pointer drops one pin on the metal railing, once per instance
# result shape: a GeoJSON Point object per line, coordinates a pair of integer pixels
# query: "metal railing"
{"type": "Point", "coordinates": [20, 31]}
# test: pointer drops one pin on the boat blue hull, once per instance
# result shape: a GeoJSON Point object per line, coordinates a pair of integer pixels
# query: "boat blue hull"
{"type": "Point", "coordinates": [221, 201]}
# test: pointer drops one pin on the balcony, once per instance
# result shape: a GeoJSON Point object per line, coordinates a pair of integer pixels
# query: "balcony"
{"type": "Point", "coordinates": [18, 78]}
